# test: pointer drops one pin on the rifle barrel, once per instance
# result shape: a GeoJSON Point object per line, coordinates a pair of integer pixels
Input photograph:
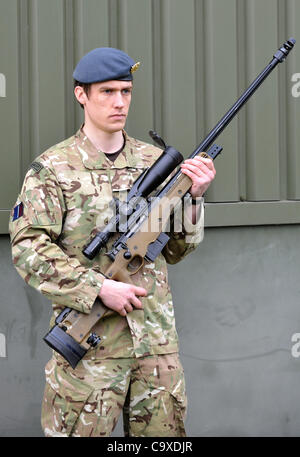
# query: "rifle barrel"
{"type": "Point", "coordinates": [278, 57]}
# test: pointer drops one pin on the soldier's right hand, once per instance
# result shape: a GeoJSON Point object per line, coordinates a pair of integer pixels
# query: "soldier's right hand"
{"type": "Point", "coordinates": [120, 296]}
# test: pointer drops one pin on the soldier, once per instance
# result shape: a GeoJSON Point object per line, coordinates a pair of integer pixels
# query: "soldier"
{"type": "Point", "coordinates": [136, 368]}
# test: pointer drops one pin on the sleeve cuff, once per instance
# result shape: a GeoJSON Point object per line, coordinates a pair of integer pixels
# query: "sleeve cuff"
{"type": "Point", "coordinates": [193, 233]}
{"type": "Point", "coordinates": [89, 291]}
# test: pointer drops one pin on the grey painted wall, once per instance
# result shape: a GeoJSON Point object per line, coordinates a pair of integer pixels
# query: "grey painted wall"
{"type": "Point", "coordinates": [237, 307]}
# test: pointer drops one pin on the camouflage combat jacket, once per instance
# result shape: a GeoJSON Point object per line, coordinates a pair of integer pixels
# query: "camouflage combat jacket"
{"type": "Point", "coordinates": [64, 199]}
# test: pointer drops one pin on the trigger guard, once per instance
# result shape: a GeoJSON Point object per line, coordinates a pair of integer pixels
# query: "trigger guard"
{"type": "Point", "coordinates": [135, 264]}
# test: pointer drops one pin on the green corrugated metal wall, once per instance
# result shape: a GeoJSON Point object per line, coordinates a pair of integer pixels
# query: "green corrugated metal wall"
{"type": "Point", "coordinates": [197, 57]}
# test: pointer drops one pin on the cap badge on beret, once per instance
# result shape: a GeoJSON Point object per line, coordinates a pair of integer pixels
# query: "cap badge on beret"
{"type": "Point", "coordinates": [135, 67]}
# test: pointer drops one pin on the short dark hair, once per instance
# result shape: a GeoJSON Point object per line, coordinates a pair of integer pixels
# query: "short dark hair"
{"type": "Point", "coordinates": [86, 87]}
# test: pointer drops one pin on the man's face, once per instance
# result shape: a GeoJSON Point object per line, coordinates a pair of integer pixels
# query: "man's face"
{"type": "Point", "coordinates": [107, 104]}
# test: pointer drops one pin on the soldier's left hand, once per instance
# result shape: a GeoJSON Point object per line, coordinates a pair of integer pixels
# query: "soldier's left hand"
{"type": "Point", "coordinates": [201, 171]}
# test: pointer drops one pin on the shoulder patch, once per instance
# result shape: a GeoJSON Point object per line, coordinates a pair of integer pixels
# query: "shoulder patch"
{"type": "Point", "coordinates": [18, 211]}
{"type": "Point", "coordinates": [36, 166]}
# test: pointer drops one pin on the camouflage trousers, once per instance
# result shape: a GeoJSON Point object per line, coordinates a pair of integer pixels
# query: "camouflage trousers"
{"type": "Point", "coordinates": [88, 401]}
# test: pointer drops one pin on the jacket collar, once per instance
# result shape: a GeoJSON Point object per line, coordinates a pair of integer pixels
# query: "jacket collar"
{"type": "Point", "coordinates": [94, 159]}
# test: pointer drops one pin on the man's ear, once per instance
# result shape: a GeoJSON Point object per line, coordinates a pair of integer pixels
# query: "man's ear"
{"type": "Point", "coordinates": [80, 94]}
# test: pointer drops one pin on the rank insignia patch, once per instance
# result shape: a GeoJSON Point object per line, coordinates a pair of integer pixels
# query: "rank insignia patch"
{"type": "Point", "coordinates": [18, 211]}
{"type": "Point", "coordinates": [36, 166]}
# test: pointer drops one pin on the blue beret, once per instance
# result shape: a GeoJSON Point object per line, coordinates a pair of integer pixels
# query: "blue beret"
{"type": "Point", "coordinates": [104, 64]}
